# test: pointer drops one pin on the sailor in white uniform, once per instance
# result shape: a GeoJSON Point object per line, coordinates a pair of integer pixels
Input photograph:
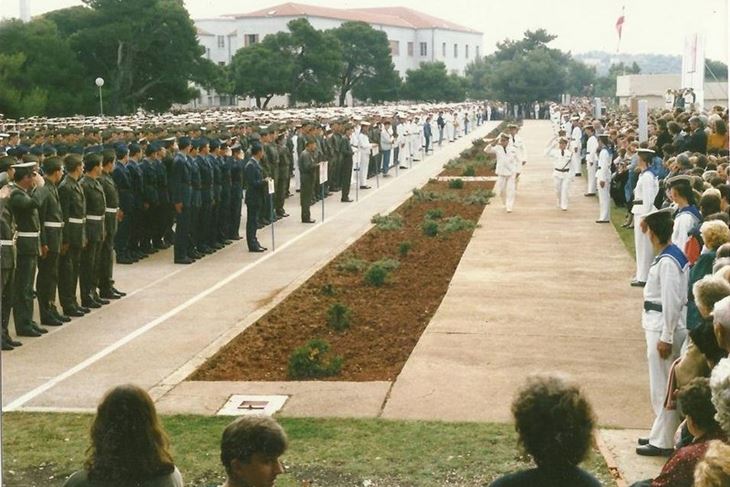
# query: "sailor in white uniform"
{"type": "Point", "coordinates": [506, 169]}
{"type": "Point", "coordinates": [591, 159]}
{"type": "Point", "coordinates": [687, 218]}
{"type": "Point", "coordinates": [664, 324]}
{"type": "Point", "coordinates": [576, 139]}
{"type": "Point", "coordinates": [365, 148]}
{"type": "Point", "coordinates": [603, 178]}
{"type": "Point", "coordinates": [561, 170]}
{"type": "Point", "coordinates": [647, 187]}
{"type": "Point", "coordinates": [518, 145]}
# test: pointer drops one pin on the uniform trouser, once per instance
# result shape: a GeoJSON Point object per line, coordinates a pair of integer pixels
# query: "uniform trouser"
{"type": "Point", "coordinates": [88, 269]}
{"type": "Point", "coordinates": [161, 219]}
{"type": "Point", "coordinates": [121, 239]}
{"type": "Point", "coordinates": [280, 194]}
{"type": "Point", "coordinates": [332, 170]}
{"type": "Point", "coordinates": [25, 268]}
{"type": "Point", "coordinates": [182, 233]}
{"type": "Point", "coordinates": [604, 201]}
{"type": "Point", "coordinates": [441, 136]}
{"type": "Point", "coordinates": [224, 216]}
{"type": "Point", "coordinates": [305, 196]}
{"type": "Point", "coordinates": [193, 234]}
{"type": "Point", "coordinates": [644, 250]}
{"type": "Point", "coordinates": [386, 161]}
{"type": "Point", "coordinates": [150, 225]}
{"type": "Point", "coordinates": [201, 225]}
{"type": "Point", "coordinates": [47, 282]}
{"type": "Point", "coordinates": [591, 188]}
{"type": "Point", "coordinates": [251, 225]}
{"type": "Point", "coordinates": [297, 177]}
{"type": "Point", "coordinates": [105, 268]}
{"type": "Point", "coordinates": [666, 421]}
{"type": "Point", "coordinates": [506, 190]}
{"type": "Point", "coordinates": [428, 143]}
{"type": "Point", "coordinates": [68, 273]}
{"type": "Point", "coordinates": [362, 174]}
{"type": "Point", "coordinates": [136, 232]}
{"type": "Point", "coordinates": [236, 208]}
{"type": "Point", "coordinates": [562, 188]}
{"type": "Point", "coordinates": [575, 163]}
{"type": "Point", "coordinates": [346, 177]}
{"type": "Point", "coordinates": [8, 291]}
{"type": "Point", "coordinates": [211, 226]}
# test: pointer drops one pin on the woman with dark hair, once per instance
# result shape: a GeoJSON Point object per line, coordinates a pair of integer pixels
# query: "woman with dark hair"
{"type": "Point", "coordinates": [555, 423]}
{"type": "Point", "coordinates": [718, 139]}
{"type": "Point", "coordinates": [128, 447]}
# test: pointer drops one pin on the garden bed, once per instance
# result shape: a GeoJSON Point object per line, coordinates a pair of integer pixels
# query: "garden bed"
{"type": "Point", "coordinates": [383, 323]}
{"type": "Point", "coordinates": [474, 162]}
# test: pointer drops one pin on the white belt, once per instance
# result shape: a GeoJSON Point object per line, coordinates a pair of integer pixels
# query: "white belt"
{"type": "Point", "coordinates": [28, 234]}
{"type": "Point", "coordinates": [111, 210]}
{"type": "Point", "coordinates": [6, 243]}
{"type": "Point", "coordinates": [77, 220]}
{"type": "Point", "coordinates": [53, 224]}
{"type": "Point", "coordinates": [96, 218]}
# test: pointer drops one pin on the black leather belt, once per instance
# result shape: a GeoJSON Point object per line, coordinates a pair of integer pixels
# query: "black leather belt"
{"type": "Point", "coordinates": [649, 306]}
{"type": "Point", "coordinates": [561, 170]}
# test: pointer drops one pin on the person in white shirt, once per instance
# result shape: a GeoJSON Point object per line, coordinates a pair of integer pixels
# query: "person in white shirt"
{"type": "Point", "coordinates": [669, 100]}
{"type": "Point", "coordinates": [561, 170]}
{"type": "Point", "coordinates": [591, 159]}
{"type": "Point", "coordinates": [295, 158]}
{"type": "Point", "coordinates": [386, 146]}
{"type": "Point", "coordinates": [364, 143]}
{"type": "Point", "coordinates": [518, 145]}
{"type": "Point", "coordinates": [664, 324]}
{"type": "Point", "coordinates": [687, 217]}
{"type": "Point", "coordinates": [603, 178]}
{"type": "Point", "coordinates": [647, 187]}
{"type": "Point", "coordinates": [536, 109]}
{"type": "Point", "coordinates": [489, 113]}
{"type": "Point", "coordinates": [506, 169]}
{"type": "Point", "coordinates": [415, 139]}
{"type": "Point", "coordinates": [450, 126]}
{"type": "Point", "coordinates": [404, 152]}
{"type": "Point", "coordinates": [576, 136]}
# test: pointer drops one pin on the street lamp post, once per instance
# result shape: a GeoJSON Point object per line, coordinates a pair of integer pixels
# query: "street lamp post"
{"type": "Point", "coordinates": [100, 82]}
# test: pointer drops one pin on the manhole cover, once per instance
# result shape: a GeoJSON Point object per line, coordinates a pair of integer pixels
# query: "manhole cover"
{"type": "Point", "coordinates": [246, 405]}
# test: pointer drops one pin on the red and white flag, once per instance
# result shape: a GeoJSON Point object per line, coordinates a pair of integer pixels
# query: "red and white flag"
{"type": "Point", "coordinates": [620, 24]}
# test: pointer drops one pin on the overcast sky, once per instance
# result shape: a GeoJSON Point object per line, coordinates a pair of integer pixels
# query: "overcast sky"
{"type": "Point", "coordinates": [652, 26]}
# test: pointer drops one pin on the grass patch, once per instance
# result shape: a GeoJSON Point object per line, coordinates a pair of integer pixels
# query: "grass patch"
{"type": "Point", "coordinates": [352, 264]}
{"type": "Point", "coordinates": [379, 271]}
{"type": "Point", "coordinates": [331, 452]}
{"type": "Point", "coordinates": [618, 217]}
{"type": "Point", "coordinates": [388, 222]}
{"type": "Point", "coordinates": [456, 224]}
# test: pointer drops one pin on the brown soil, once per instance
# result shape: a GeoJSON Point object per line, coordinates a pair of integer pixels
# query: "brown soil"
{"type": "Point", "coordinates": [480, 170]}
{"type": "Point", "coordinates": [386, 321]}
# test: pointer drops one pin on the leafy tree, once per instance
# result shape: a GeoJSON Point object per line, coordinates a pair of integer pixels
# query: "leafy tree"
{"type": "Point", "coordinates": [715, 70]}
{"type": "Point", "coordinates": [42, 73]}
{"type": "Point", "coordinates": [365, 56]}
{"type": "Point", "coordinates": [606, 85]}
{"type": "Point", "coordinates": [317, 58]}
{"type": "Point", "coordinates": [477, 76]}
{"type": "Point", "coordinates": [383, 86]}
{"type": "Point", "coordinates": [263, 70]}
{"type": "Point", "coordinates": [430, 82]}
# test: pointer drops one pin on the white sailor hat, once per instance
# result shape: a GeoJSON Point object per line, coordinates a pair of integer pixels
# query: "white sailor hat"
{"type": "Point", "coordinates": [645, 151]}
{"type": "Point", "coordinates": [504, 136]}
{"type": "Point", "coordinates": [575, 117]}
{"type": "Point", "coordinates": [23, 165]}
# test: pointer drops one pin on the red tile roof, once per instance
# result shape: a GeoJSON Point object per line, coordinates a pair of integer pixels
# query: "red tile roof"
{"type": "Point", "coordinates": [392, 16]}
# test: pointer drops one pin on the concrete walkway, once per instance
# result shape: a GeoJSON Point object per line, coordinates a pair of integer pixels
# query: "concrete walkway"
{"type": "Point", "coordinates": [538, 290]}
{"type": "Point", "coordinates": [176, 316]}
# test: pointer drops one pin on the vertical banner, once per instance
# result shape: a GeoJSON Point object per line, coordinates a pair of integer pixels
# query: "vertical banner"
{"type": "Point", "coordinates": [693, 67]}
{"type": "Point", "coordinates": [643, 120]}
{"type": "Point", "coordinates": [597, 107]}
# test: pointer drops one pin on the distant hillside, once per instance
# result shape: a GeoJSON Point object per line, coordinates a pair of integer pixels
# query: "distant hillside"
{"type": "Point", "coordinates": [649, 63]}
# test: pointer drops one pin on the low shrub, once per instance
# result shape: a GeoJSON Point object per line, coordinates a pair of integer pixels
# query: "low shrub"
{"type": "Point", "coordinates": [456, 224]}
{"type": "Point", "coordinates": [479, 197]}
{"type": "Point", "coordinates": [430, 228]}
{"type": "Point", "coordinates": [352, 264]}
{"type": "Point", "coordinates": [338, 317]}
{"type": "Point", "coordinates": [404, 248]}
{"type": "Point", "coordinates": [313, 361]}
{"type": "Point", "coordinates": [456, 184]}
{"type": "Point", "coordinates": [435, 214]}
{"type": "Point", "coordinates": [329, 290]}
{"type": "Point", "coordinates": [378, 272]}
{"type": "Point", "coordinates": [469, 171]}
{"type": "Point", "coordinates": [388, 222]}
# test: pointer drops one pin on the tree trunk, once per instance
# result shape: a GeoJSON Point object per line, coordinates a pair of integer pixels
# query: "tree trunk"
{"type": "Point", "coordinates": [343, 96]}
{"type": "Point", "coordinates": [266, 102]}
{"type": "Point", "coordinates": [258, 102]}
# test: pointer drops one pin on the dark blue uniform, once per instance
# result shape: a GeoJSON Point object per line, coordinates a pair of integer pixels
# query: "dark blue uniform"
{"type": "Point", "coordinates": [123, 180]}
{"type": "Point", "coordinates": [256, 189]}
{"type": "Point", "coordinates": [181, 194]}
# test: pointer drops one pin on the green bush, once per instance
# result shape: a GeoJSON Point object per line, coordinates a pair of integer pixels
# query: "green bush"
{"type": "Point", "coordinates": [456, 184]}
{"type": "Point", "coordinates": [456, 224]}
{"type": "Point", "coordinates": [313, 361]}
{"type": "Point", "coordinates": [435, 214]}
{"type": "Point", "coordinates": [388, 222]}
{"type": "Point", "coordinates": [338, 317]}
{"type": "Point", "coordinates": [329, 290]}
{"type": "Point", "coordinates": [352, 264]}
{"type": "Point", "coordinates": [404, 248]}
{"type": "Point", "coordinates": [378, 272]}
{"type": "Point", "coordinates": [430, 228]}
{"type": "Point", "coordinates": [479, 197]}
{"type": "Point", "coordinates": [469, 171]}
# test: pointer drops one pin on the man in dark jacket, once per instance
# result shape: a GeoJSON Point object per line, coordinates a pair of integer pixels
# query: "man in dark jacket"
{"type": "Point", "coordinates": [256, 192]}
{"type": "Point", "coordinates": [697, 141]}
{"type": "Point", "coordinates": [181, 195]}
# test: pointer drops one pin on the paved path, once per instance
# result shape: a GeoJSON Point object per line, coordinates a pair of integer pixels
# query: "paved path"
{"type": "Point", "coordinates": [175, 316]}
{"type": "Point", "coordinates": [538, 290]}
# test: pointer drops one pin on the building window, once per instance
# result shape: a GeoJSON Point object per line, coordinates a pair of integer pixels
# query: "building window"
{"type": "Point", "coordinates": [410, 49]}
{"type": "Point", "coordinates": [424, 49]}
{"type": "Point", "coordinates": [251, 39]}
{"type": "Point", "coordinates": [221, 41]}
{"type": "Point", "coordinates": [466, 50]}
{"type": "Point", "coordinates": [443, 50]}
{"type": "Point", "coordinates": [394, 48]}
{"type": "Point", "coordinates": [456, 50]}
{"type": "Point", "coordinates": [477, 49]}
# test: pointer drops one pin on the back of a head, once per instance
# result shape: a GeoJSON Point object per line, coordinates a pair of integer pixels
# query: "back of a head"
{"type": "Point", "coordinates": [713, 470]}
{"type": "Point", "coordinates": [127, 439]}
{"type": "Point", "coordinates": [554, 421]}
{"type": "Point", "coordinates": [250, 435]}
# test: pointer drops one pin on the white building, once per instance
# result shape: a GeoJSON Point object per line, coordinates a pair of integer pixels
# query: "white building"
{"type": "Point", "coordinates": [414, 37]}
{"type": "Point", "coordinates": [653, 87]}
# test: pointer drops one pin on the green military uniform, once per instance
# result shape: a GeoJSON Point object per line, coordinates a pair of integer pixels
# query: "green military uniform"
{"type": "Point", "coordinates": [105, 281]}
{"type": "Point", "coordinates": [375, 161]}
{"type": "Point", "coordinates": [346, 154]}
{"type": "Point", "coordinates": [307, 170]}
{"type": "Point", "coordinates": [271, 158]}
{"type": "Point", "coordinates": [73, 206]}
{"type": "Point", "coordinates": [95, 234]}
{"type": "Point", "coordinates": [25, 214]}
{"type": "Point", "coordinates": [7, 262]}
{"type": "Point", "coordinates": [283, 177]}
{"type": "Point", "coordinates": [51, 218]}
